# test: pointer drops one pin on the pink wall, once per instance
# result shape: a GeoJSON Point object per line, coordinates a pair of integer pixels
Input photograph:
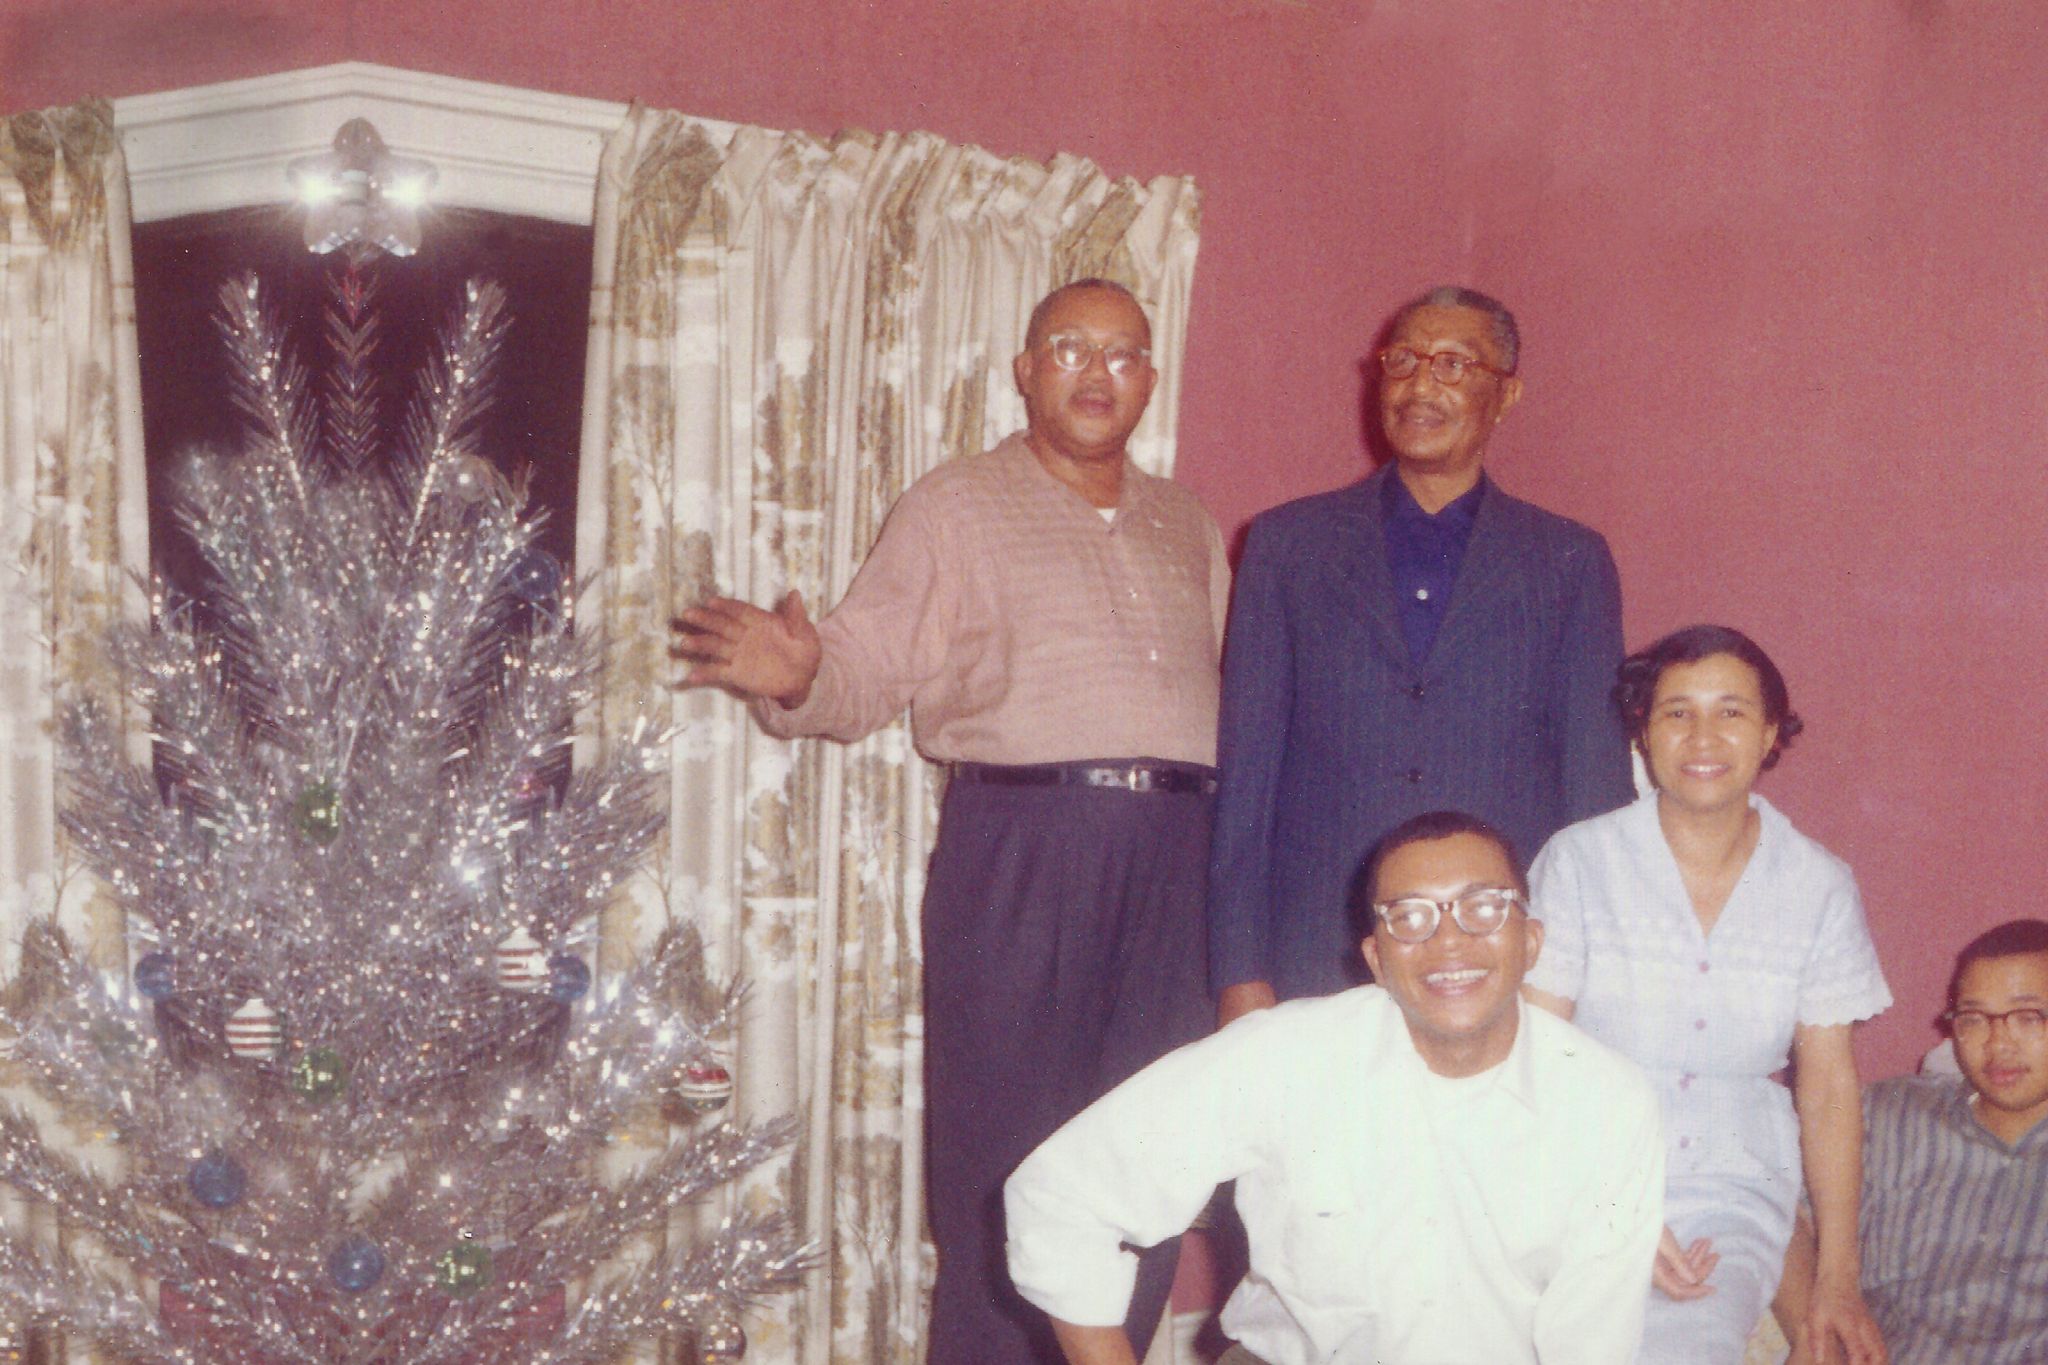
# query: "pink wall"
{"type": "Point", "coordinates": [1782, 277]}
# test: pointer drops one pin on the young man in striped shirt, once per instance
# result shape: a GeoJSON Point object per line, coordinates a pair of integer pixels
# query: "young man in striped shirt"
{"type": "Point", "coordinates": [1955, 1175]}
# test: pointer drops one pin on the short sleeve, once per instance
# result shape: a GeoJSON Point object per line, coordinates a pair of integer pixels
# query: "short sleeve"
{"type": "Point", "coordinates": [1557, 898]}
{"type": "Point", "coordinates": [1841, 981]}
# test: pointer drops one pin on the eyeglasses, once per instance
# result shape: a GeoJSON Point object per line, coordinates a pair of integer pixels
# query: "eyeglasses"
{"type": "Point", "coordinates": [1414, 919]}
{"type": "Point", "coordinates": [1445, 367]}
{"type": "Point", "coordinates": [1077, 353]}
{"type": "Point", "coordinates": [2027, 1025]}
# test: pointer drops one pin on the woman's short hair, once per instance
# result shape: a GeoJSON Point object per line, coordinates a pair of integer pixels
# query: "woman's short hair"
{"type": "Point", "coordinates": [1635, 686]}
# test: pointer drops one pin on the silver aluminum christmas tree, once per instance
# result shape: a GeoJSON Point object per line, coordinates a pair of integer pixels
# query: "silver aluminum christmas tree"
{"type": "Point", "coordinates": [358, 1082]}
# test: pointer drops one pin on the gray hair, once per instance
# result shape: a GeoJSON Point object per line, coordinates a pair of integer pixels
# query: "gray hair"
{"type": "Point", "coordinates": [1507, 338]}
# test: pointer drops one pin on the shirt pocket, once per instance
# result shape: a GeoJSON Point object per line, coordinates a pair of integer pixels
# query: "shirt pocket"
{"type": "Point", "coordinates": [1327, 1242]}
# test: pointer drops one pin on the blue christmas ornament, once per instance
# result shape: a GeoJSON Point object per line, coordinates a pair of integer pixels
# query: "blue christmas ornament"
{"type": "Point", "coordinates": [153, 975]}
{"type": "Point", "coordinates": [217, 1180]}
{"type": "Point", "coordinates": [355, 1265]}
{"type": "Point", "coordinates": [568, 977]}
{"type": "Point", "coordinates": [535, 578]}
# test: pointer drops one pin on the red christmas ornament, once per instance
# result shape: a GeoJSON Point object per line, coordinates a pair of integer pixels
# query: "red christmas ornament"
{"type": "Point", "coordinates": [253, 1031]}
{"type": "Point", "coordinates": [522, 966]}
{"type": "Point", "coordinates": [704, 1087]}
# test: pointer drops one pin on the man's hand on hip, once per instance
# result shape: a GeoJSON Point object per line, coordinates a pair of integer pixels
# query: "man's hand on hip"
{"type": "Point", "coordinates": [738, 646]}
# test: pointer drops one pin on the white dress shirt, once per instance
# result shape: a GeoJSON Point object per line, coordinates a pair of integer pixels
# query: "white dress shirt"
{"type": "Point", "coordinates": [1394, 1216]}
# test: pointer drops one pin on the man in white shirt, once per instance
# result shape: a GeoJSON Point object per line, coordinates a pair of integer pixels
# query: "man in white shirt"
{"type": "Point", "coordinates": [1429, 1172]}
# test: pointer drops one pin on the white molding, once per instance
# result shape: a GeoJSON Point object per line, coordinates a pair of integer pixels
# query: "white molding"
{"type": "Point", "coordinates": [214, 147]}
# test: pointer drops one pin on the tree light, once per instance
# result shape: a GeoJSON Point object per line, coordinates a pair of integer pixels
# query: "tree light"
{"type": "Point", "coordinates": [360, 197]}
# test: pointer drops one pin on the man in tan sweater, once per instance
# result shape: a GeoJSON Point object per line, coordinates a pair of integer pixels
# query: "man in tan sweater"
{"type": "Point", "coordinates": [1053, 618]}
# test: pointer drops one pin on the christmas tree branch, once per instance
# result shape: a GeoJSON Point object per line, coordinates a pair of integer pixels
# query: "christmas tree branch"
{"type": "Point", "coordinates": [269, 386]}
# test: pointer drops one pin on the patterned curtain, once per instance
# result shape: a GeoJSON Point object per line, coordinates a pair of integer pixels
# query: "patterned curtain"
{"type": "Point", "coordinates": [74, 511]}
{"type": "Point", "coordinates": [74, 518]}
{"type": "Point", "coordinates": [786, 332]}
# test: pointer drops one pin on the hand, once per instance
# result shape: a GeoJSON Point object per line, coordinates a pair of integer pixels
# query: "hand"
{"type": "Point", "coordinates": [1241, 999]}
{"type": "Point", "coordinates": [1682, 1274]}
{"type": "Point", "coordinates": [753, 652]}
{"type": "Point", "coordinates": [1837, 1314]}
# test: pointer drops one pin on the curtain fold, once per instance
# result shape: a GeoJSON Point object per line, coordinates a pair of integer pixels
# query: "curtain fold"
{"type": "Point", "coordinates": [786, 332]}
{"type": "Point", "coordinates": [75, 522]}
{"type": "Point", "coordinates": [74, 511]}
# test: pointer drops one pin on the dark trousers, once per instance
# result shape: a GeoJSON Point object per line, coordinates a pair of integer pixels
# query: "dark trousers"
{"type": "Point", "coordinates": [1063, 950]}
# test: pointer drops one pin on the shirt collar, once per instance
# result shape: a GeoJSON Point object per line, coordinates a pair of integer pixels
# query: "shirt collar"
{"type": "Point", "coordinates": [1961, 1109]}
{"type": "Point", "coordinates": [1513, 1075]}
{"type": "Point", "coordinates": [1138, 492]}
{"type": "Point", "coordinates": [1397, 504]}
{"type": "Point", "coordinates": [1518, 1072]}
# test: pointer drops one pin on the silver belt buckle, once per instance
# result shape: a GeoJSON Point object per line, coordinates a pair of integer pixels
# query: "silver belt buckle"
{"type": "Point", "coordinates": [1138, 780]}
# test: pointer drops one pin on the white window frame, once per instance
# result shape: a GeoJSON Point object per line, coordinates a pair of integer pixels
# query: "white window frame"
{"type": "Point", "coordinates": [210, 148]}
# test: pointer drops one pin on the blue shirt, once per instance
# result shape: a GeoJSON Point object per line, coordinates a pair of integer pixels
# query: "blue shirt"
{"type": "Point", "coordinates": [1423, 555]}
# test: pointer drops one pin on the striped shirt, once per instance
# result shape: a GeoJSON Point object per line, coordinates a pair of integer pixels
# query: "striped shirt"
{"type": "Point", "coordinates": [1954, 1228]}
{"type": "Point", "coordinates": [1020, 626]}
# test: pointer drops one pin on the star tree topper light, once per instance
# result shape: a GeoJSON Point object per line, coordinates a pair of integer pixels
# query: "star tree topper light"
{"type": "Point", "coordinates": [361, 196]}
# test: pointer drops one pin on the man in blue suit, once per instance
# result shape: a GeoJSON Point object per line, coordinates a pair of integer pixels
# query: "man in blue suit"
{"type": "Point", "coordinates": [1417, 641]}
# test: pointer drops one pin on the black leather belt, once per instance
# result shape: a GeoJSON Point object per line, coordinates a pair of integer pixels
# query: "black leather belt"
{"type": "Point", "coordinates": [1180, 779]}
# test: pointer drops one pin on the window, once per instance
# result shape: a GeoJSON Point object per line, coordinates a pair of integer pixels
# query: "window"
{"type": "Point", "coordinates": [535, 423]}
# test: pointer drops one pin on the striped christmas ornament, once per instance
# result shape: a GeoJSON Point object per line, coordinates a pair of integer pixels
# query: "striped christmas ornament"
{"type": "Point", "coordinates": [704, 1087]}
{"type": "Point", "coordinates": [522, 966]}
{"type": "Point", "coordinates": [253, 1030]}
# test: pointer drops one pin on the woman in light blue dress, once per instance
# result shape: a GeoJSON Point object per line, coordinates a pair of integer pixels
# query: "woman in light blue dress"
{"type": "Point", "coordinates": [1700, 934]}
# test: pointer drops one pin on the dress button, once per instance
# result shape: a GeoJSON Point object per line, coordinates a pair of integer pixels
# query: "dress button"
{"type": "Point", "coordinates": [1418, 691]}
{"type": "Point", "coordinates": [1414, 776]}
{"type": "Point", "coordinates": [1703, 966]}
{"type": "Point", "coordinates": [1685, 1082]}
{"type": "Point", "coordinates": [1685, 1142]}
{"type": "Point", "coordinates": [1422, 594]}
{"type": "Point", "coordinates": [1699, 1023]}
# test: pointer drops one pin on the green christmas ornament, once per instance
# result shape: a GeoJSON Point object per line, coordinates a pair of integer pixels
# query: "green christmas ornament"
{"type": "Point", "coordinates": [463, 1269]}
{"type": "Point", "coordinates": [319, 1074]}
{"type": "Point", "coordinates": [320, 812]}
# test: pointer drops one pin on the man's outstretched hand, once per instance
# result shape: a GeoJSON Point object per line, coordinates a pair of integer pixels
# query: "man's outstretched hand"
{"type": "Point", "coordinates": [740, 647]}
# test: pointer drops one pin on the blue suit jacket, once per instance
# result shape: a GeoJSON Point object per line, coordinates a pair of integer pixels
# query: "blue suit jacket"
{"type": "Point", "coordinates": [1331, 733]}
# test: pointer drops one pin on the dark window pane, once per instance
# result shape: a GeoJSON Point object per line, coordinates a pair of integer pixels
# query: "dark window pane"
{"type": "Point", "coordinates": [534, 425]}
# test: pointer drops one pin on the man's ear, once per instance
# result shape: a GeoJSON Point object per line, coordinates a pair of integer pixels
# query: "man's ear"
{"type": "Point", "coordinates": [1020, 370]}
{"type": "Point", "coordinates": [1510, 394]}
{"type": "Point", "coordinates": [1372, 956]}
{"type": "Point", "coordinates": [1532, 942]}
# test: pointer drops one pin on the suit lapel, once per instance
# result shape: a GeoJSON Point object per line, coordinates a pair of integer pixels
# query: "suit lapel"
{"type": "Point", "coordinates": [1365, 575]}
{"type": "Point", "coordinates": [1492, 560]}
